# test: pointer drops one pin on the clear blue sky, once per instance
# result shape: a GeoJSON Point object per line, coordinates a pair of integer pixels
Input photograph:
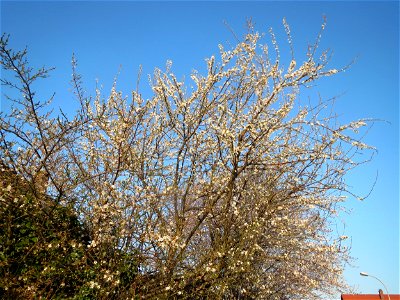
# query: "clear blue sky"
{"type": "Point", "coordinates": [107, 35]}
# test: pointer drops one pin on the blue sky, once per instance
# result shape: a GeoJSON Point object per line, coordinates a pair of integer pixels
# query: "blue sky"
{"type": "Point", "coordinates": [116, 37]}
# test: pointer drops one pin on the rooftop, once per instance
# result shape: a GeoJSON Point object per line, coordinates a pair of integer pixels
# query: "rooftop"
{"type": "Point", "coordinates": [369, 297]}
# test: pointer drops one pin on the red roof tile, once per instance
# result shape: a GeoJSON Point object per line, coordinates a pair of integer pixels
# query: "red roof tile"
{"type": "Point", "coordinates": [369, 297]}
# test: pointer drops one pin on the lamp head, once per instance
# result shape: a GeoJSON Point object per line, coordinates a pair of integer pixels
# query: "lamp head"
{"type": "Point", "coordinates": [364, 274]}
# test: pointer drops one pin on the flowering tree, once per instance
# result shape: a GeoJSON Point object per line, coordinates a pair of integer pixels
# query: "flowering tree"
{"type": "Point", "coordinates": [224, 190]}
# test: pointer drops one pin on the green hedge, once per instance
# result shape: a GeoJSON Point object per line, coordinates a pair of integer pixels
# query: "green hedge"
{"type": "Point", "coordinates": [44, 251]}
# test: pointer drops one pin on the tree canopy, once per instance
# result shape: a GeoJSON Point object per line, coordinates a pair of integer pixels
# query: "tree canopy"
{"type": "Point", "coordinates": [223, 187]}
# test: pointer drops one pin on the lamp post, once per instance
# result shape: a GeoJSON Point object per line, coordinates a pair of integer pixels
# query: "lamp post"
{"type": "Point", "coordinates": [367, 275]}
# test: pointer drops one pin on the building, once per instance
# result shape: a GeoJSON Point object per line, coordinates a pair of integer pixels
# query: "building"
{"type": "Point", "coordinates": [379, 296]}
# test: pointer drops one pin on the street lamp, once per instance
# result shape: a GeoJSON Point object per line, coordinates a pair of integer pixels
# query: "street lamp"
{"type": "Point", "coordinates": [367, 275]}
